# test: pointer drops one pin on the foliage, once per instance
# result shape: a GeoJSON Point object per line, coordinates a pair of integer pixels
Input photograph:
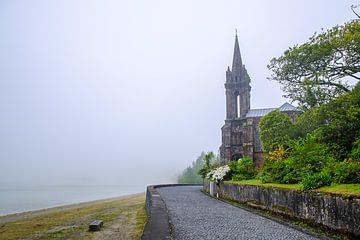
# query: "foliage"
{"type": "Point", "coordinates": [306, 157]}
{"type": "Point", "coordinates": [315, 72]}
{"type": "Point", "coordinates": [316, 180]}
{"type": "Point", "coordinates": [276, 129]}
{"type": "Point", "coordinates": [274, 168]}
{"type": "Point", "coordinates": [242, 169]}
{"type": "Point", "coordinates": [337, 123]}
{"type": "Point", "coordinates": [198, 170]}
{"type": "Point", "coordinates": [355, 152]}
{"type": "Point", "coordinates": [308, 122]}
{"type": "Point", "coordinates": [321, 139]}
{"type": "Point", "coordinates": [322, 146]}
{"type": "Point", "coordinates": [347, 171]}
{"type": "Point", "coordinates": [207, 166]}
{"type": "Point", "coordinates": [190, 174]}
{"type": "Point", "coordinates": [340, 123]}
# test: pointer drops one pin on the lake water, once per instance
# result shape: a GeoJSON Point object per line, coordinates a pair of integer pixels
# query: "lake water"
{"type": "Point", "coordinates": [20, 199]}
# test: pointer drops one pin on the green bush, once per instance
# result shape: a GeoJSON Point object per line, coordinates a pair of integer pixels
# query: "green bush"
{"type": "Point", "coordinates": [347, 171]}
{"type": "Point", "coordinates": [355, 152]}
{"type": "Point", "coordinates": [316, 180]}
{"type": "Point", "coordinates": [306, 157]}
{"type": "Point", "coordinates": [273, 172]}
{"type": "Point", "coordinates": [242, 169]}
{"type": "Point", "coordinates": [274, 168]}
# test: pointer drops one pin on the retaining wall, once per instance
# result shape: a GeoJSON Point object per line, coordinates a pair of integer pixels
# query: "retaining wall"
{"type": "Point", "coordinates": [334, 211]}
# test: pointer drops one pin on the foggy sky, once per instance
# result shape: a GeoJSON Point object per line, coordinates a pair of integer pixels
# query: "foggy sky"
{"type": "Point", "coordinates": [107, 91]}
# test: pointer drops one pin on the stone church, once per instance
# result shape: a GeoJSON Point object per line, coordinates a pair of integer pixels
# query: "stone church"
{"type": "Point", "coordinates": [240, 133]}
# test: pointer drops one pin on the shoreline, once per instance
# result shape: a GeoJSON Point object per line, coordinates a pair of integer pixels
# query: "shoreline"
{"type": "Point", "coordinates": [11, 217]}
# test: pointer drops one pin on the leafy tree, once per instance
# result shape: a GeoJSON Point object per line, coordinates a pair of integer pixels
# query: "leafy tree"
{"type": "Point", "coordinates": [190, 174]}
{"type": "Point", "coordinates": [308, 121]}
{"type": "Point", "coordinates": [198, 169]}
{"type": "Point", "coordinates": [315, 72]}
{"type": "Point", "coordinates": [337, 123]}
{"type": "Point", "coordinates": [341, 123]}
{"type": "Point", "coordinates": [276, 129]}
{"type": "Point", "coordinates": [207, 164]}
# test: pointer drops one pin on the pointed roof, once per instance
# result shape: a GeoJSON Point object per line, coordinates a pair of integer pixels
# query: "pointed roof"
{"type": "Point", "coordinates": [237, 62]}
{"type": "Point", "coordinates": [286, 107]}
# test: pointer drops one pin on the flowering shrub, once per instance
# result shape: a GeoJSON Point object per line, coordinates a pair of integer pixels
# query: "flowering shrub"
{"type": "Point", "coordinates": [217, 175]}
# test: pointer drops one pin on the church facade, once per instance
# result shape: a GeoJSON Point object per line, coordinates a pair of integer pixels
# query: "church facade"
{"type": "Point", "coordinates": [240, 133]}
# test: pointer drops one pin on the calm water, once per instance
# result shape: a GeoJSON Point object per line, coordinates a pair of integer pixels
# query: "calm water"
{"type": "Point", "coordinates": [20, 199]}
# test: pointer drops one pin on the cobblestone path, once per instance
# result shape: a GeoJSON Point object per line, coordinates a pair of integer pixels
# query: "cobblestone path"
{"type": "Point", "coordinates": [198, 216]}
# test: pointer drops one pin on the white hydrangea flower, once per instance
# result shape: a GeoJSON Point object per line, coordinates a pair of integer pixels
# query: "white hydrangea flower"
{"type": "Point", "coordinates": [219, 173]}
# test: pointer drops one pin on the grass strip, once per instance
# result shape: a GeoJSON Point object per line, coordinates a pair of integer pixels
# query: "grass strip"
{"type": "Point", "coordinates": [127, 213]}
{"type": "Point", "coordinates": [341, 189]}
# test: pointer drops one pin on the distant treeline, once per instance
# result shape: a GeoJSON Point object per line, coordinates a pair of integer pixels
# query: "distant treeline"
{"type": "Point", "coordinates": [191, 173]}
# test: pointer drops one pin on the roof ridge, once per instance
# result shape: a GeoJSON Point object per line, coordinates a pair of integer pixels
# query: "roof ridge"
{"type": "Point", "coordinates": [262, 108]}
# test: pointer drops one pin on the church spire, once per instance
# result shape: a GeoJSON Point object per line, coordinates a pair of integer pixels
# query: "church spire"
{"type": "Point", "coordinates": [237, 62]}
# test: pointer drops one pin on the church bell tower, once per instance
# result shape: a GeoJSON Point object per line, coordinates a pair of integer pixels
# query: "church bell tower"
{"type": "Point", "coordinates": [237, 87]}
{"type": "Point", "coordinates": [237, 90]}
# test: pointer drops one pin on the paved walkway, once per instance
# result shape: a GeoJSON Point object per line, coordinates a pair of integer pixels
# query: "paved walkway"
{"type": "Point", "coordinates": [198, 216]}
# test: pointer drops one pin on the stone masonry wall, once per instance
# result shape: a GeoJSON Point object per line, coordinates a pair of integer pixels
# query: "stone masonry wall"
{"type": "Point", "coordinates": [337, 212]}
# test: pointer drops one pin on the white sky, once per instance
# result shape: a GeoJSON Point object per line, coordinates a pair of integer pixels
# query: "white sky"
{"type": "Point", "coordinates": [119, 91]}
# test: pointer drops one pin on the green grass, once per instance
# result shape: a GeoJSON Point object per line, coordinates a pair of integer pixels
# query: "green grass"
{"type": "Point", "coordinates": [72, 222]}
{"type": "Point", "coordinates": [345, 189]}
{"type": "Point", "coordinates": [256, 182]}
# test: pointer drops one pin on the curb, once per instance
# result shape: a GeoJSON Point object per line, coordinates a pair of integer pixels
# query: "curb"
{"type": "Point", "coordinates": [158, 225]}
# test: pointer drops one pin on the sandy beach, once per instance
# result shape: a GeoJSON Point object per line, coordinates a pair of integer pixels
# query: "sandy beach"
{"type": "Point", "coordinates": [124, 218]}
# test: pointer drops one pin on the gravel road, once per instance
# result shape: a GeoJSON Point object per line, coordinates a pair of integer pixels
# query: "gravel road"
{"type": "Point", "coordinates": [195, 215]}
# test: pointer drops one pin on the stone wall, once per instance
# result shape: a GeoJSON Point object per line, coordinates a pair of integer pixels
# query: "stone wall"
{"type": "Point", "coordinates": [337, 212]}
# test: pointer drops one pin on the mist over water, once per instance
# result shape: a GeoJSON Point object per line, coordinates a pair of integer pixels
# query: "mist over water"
{"type": "Point", "coordinates": [101, 98]}
{"type": "Point", "coordinates": [26, 198]}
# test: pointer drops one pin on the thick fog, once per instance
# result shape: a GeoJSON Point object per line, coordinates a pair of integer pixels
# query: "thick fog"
{"type": "Point", "coordinates": [120, 92]}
